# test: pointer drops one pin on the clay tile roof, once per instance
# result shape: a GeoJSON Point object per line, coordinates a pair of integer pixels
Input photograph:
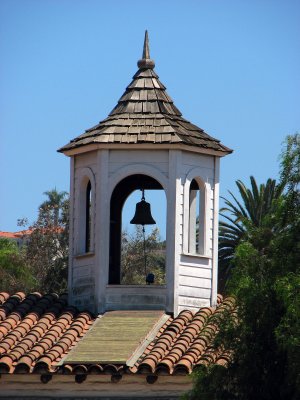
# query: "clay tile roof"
{"type": "Point", "coordinates": [180, 347]}
{"type": "Point", "coordinates": [37, 333]}
{"type": "Point", "coordinates": [37, 330]}
{"type": "Point", "coordinates": [145, 113]}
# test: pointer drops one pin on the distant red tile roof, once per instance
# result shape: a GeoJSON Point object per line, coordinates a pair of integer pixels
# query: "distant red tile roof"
{"type": "Point", "coordinates": [16, 235]}
{"type": "Point", "coordinates": [37, 333]}
{"type": "Point", "coordinates": [28, 232]}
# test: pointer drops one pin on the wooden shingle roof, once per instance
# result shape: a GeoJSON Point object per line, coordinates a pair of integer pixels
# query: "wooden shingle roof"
{"type": "Point", "coordinates": [146, 114]}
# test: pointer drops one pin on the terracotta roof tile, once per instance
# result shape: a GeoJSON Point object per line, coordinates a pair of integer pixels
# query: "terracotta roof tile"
{"type": "Point", "coordinates": [185, 342]}
{"type": "Point", "coordinates": [37, 332]}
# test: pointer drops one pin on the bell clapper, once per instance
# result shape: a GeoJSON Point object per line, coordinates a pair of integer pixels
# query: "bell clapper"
{"type": "Point", "coordinates": [144, 240]}
{"type": "Point", "coordinates": [143, 217]}
{"type": "Point", "coordinates": [145, 255]}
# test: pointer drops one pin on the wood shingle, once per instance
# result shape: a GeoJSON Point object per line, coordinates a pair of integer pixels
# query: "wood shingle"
{"type": "Point", "coordinates": [145, 113]}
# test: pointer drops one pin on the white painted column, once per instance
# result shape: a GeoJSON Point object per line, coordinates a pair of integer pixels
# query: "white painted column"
{"type": "Point", "coordinates": [71, 230]}
{"type": "Point", "coordinates": [173, 245]}
{"type": "Point", "coordinates": [102, 229]}
{"type": "Point", "coordinates": [214, 290]}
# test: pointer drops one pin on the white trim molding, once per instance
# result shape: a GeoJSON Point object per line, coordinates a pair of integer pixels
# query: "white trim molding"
{"type": "Point", "coordinates": [205, 195]}
{"type": "Point", "coordinates": [83, 176]}
{"type": "Point", "coordinates": [134, 169]}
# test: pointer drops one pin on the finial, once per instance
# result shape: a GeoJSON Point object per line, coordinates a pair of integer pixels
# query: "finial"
{"type": "Point", "coordinates": [146, 52]}
{"type": "Point", "coordinates": [146, 62]}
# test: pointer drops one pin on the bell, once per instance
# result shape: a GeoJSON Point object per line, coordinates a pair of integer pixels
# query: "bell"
{"type": "Point", "coordinates": [142, 214]}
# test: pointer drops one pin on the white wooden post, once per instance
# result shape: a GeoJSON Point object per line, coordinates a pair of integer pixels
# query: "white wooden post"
{"type": "Point", "coordinates": [214, 290]}
{"type": "Point", "coordinates": [102, 228]}
{"type": "Point", "coordinates": [71, 230]}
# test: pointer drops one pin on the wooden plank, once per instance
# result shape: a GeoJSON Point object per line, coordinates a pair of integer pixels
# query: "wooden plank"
{"type": "Point", "coordinates": [192, 281]}
{"type": "Point", "coordinates": [194, 292]}
{"type": "Point", "coordinates": [114, 337]}
{"type": "Point", "coordinates": [197, 271]}
{"type": "Point", "coordinates": [131, 386]}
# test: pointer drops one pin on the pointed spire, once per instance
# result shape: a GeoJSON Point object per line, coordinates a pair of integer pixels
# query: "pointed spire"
{"type": "Point", "coordinates": [146, 52]}
{"type": "Point", "coordinates": [145, 61]}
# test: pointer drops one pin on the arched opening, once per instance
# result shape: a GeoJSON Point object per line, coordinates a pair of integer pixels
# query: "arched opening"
{"type": "Point", "coordinates": [196, 217]}
{"type": "Point", "coordinates": [84, 218]}
{"type": "Point", "coordinates": [88, 216]}
{"type": "Point", "coordinates": [129, 191]}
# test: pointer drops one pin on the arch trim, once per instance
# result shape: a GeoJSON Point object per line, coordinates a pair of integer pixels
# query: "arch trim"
{"type": "Point", "coordinates": [135, 169]}
{"type": "Point", "coordinates": [84, 176]}
{"type": "Point", "coordinates": [205, 188]}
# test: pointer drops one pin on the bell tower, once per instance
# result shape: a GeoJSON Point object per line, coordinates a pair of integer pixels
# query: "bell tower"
{"type": "Point", "coordinates": [146, 144]}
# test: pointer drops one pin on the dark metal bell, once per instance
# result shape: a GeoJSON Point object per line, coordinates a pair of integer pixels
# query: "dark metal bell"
{"type": "Point", "coordinates": [142, 214]}
{"type": "Point", "coordinates": [150, 278]}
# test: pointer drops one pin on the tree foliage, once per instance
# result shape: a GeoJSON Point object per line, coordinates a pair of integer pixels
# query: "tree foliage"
{"type": "Point", "coordinates": [15, 274]}
{"type": "Point", "coordinates": [132, 260]}
{"type": "Point", "coordinates": [240, 216]}
{"type": "Point", "coordinates": [264, 338]}
{"type": "Point", "coordinates": [54, 207]}
{"type": "Point", "coordinates": [41, 262]}
{"type": "Point", "coordinates": [47, 248]}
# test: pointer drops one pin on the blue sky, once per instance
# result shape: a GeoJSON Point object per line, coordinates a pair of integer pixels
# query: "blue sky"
{"type": "Point", "coordinates": [231, 67]}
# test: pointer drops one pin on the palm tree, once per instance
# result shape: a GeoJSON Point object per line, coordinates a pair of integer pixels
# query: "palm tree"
{"type": "Point", "coordinates": [54, 204]}
{"type": "Point", "coordinates": [255, 206]}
